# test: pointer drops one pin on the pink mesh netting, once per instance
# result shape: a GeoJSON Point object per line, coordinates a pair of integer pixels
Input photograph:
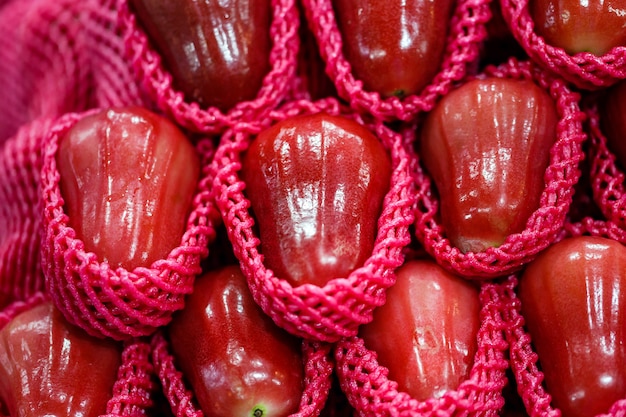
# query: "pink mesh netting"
{"type": "Point", "coordinates": [607, 178]}
{"type": "Point", "coordinates": [546, 222]}
{"type": "Point", "coordinates": [318, 368]}
{"type": "Point", "coordinates": [371, 393]}
{"type": "Point", "coordinates": [467, 31]}
{"type": "Point", "coordinates": [157, 82]}
{"type": "Point", "coordinates": [111, 302]}
{"type": "Point", "coordinates": [20, 216]}
{"type": "Point", "coordinates": [584, 70]}
{"type": "Point", "coordinates": [524, 360]}
{"type": "Point", "coordinates": [337, 309]}
{"type": "Point", "coordinates": [132, 391]}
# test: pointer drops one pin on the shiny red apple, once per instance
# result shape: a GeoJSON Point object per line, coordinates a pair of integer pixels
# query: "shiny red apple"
{"type": "Point", "coordinates": [49, 367]}
{"type": "Point", "coordinates": [487, 146]}
{"type": "Point", "coordinates": [127, 177]}
{"type": "Point", "coordinates": [394, 47]}
{"type": "Point", "coordinates": [426, 332]}
{"type": "Point", "coordinates": [316, 184]}
{"type": "Point", "coordinates": [574, 304]}
{"type": "Point", "coordinates": [237, 361]}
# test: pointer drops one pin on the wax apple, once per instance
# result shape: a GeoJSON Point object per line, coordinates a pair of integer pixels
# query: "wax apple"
{"type": "Point", "coordinates": [487, 146]}
{"type": "Point", "coordinates": [612, 120]}
{"type": "Point", "coordinates": [127, 179]}
{"type": "Point", "coordinates": [316, 184]}
{"type": "Point", "coordinates": [574, 304]}
{"type": "Point", "coordinates": [238, 362]}
{"type": "Point", "coordinates": [50, 367]}
{"type": "Point", "coordinates": [394, 47]}
{"type": "Point", "coordinates": [217, 51]}
{"type": "Point", "coordinates": [426, 332]}
{"type": "Point", "coordinates": [594, 26]}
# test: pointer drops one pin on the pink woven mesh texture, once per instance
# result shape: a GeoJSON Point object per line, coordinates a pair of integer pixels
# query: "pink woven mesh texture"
{"type": "Point", "coordinates": [607, 178]}
{"type": "Point", "coordinates": [338, 308]}
{"type": "Point", "coordinates": [584, 70]}
{"type": "Point", "coordinates": [157, 82]}
{"type": "Point", "coordinates": [371, 393]}
{"type": "Point", "coordinates": [318, 367]}
{"type": "Point", "coordinates": [524, 360]}
{"type": "Point", "coordinates": [119, 303]}
{"type": "Point", "coordinates": [546, 222]}
{"type": "Point", "coordinates": [467, 31]}
{"type": "Point", "coordinates": [20, 217]}
{"type": "Point", "coordinates": [133, 388]}
{"type": "Point", "coordinates": [43, 66]}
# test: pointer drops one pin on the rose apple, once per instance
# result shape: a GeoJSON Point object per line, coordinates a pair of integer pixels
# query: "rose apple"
{"type": "Point", "coordinates": [486, 146]}
{"type": "Point", "coordinates": [612, 120]}
{"type": "Point", "coordinates": [50, 367]}
{"type": "Point", "coordinates": [316, 185]}
{"type": "Point", "coordinates": [594, 26]}
{"type": "Point", "coordinates": [127, 177]}
{"type": "Point", "coordinates": [574, 304]}
{"type": "Point", "coordinates": [238, 362]}
{"type": "Point", "coordinates": [394, 47]}
{"type": "Point", "coordinates": [217, 51]}
{"type": "Point", "coordinates": [426, 332]}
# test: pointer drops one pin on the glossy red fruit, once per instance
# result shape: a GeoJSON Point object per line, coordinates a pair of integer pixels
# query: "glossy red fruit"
{"type": "Point", "coordinates": [394, 47]}
{"type": "Point", "coordinates": [217, 51]}
{"type": "Point", "coordinates": [574, 304]}
{"type": "Point", "coordinates": [594, 26]}
{"type": "Point", "coordinates": [486, 146]}
{"type": "Point", "coordinates": [426, 332]}
{"type": "Point", "coordinates": [316, 184]}
{"type": "Point", "coordinates": [613, 122]}
{"type": "Point", "coordinates": [127, 179]}
{"type": "Point", "coordinates": [238, 362]}
{"type": "Point", "coordinates": [50, 367]}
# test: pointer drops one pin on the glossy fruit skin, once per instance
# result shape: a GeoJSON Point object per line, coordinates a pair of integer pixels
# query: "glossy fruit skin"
{"type": "Point", "coordinates": [613, 122]}
{"type": "Point", "coordinates": [236, 359]}
{"type": "Point", "coordinates": [593, 26]}
{"type": "Point", "coordinates": [50, 367]}
{"type": "Point", "coordinates": [217, 51]}
{"type": "Point", "coordinates": [127, 177]}
{"type": "Point", "coordinates": [426, 332]}
{"type": "Point", "coordinates": [394, 47]}
{"type": "Point", "coordinates": [486, 146]}
{"type": "Point", "coordinates": [316, 186]}
{"type": "Point", "coordinates": [573, 301]}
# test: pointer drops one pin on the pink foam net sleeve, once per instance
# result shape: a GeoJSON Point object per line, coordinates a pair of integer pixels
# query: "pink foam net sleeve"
{"type": "Point", "coordinates": [544, 225]}
{"type": "Point", "coordinates": [607, 178]}
{"type": "Point", "coordinates": [157, 81]}
{"type": "Point", "coordinates": [133, 388]}
{"type": "Point", "coordinates": [372, 393]}
{"type": "Point", "coordinates": [20, 217]}
{"type": "Point", "coordinates": [338, 308]}
{"type": "Point", "coordinates": [466, 33]}
{"type": "Point", "coordinates": [584, 70]}
{"type": "Point", "coordinates": [318, 368]}
{"type": "Point", "coordinates": [44, 70]}
{"type": "Point", "coordinates": [524, 360]}
{"type": "Point", "coordinates": [118, 303]}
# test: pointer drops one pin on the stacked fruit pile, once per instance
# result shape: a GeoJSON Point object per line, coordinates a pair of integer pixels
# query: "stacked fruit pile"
{"type": "Point", "coordinates": [314, 207]}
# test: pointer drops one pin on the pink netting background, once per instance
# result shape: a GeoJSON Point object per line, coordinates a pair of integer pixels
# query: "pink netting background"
{"type": "Point", "coordinates": [371, 393]}
{"type": "Point", "coordinates": [584, 70]}
{"type": "Point", "coordinates": [318, 368]}
{"type": "Point", "coordinates": [111, 302]}
{"type": "Point", "coordinates": [546, 222]}
{"type": "Point", "coordinates": [338, 308]}
{"type": "Point", "coordinates": [132, 391]}
{"type": "Point", "coordinates": [466, 32]}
